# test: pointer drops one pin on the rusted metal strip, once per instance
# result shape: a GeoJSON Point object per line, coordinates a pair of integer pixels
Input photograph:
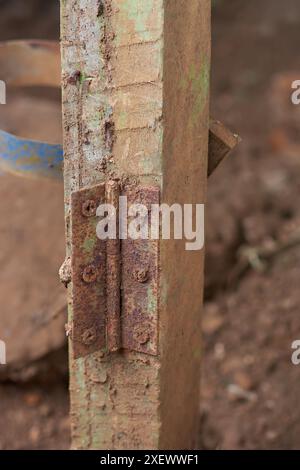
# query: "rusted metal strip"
{"type": "Point", "coordinates": [113, 274]}
{"type": "Point", "coordinates": [221, 142]}
{"type": "Point", "coordinates": [88, 273]}
{"type": "Point", "coordinates": [140, 282]}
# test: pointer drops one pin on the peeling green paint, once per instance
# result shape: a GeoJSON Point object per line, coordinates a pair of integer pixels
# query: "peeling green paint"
{"type": "Point", "coordinates": [89, 245]}
{"type": "Point", "coordinates": [122, 119]}
{"type": "Point", "coordinates": [83, 78]}
{"type": "Point", "coordinates": [141, 19]}
{"type": "Point", "coordinates": [81, 392]}
{"type": "Point", "coordinates": [146, 163]}
{"type": "Point", "coordinates": [152, 301]}
{"type": "Point", "coordinates": [198, 82]}
{"type": "Point", "coordinates": [138, 12]}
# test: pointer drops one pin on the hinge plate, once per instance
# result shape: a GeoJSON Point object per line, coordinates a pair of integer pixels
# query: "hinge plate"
{"type": "Point", "coordinates": [140, 283]}
{"type": "Point", "coordinates": [88, 273]}
{"type": "Point", "coordinates": [120, 302]}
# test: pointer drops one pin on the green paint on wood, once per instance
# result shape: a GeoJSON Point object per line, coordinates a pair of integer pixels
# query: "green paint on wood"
{"type": "Point", "coordinates": [138, 12]}
{"type": "Point", "coordinates": [122, 119]}
{"type": "Point", "coordinates": [198, 82]}
{"type": "Point", "coordinates": [152, 301]}
{"type": "Point", "coordinates": [82, 418]}
{"type": "Point", "coordinates": [141, 17]}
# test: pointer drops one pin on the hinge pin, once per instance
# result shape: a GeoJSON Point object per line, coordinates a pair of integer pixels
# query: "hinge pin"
{"type": "Point", "coordinates": [113, 276]}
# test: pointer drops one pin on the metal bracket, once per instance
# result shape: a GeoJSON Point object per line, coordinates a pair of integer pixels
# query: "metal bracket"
{"type": "Point", "coordinates": [88, 273]}
{"type": "Point", "coordinates": [115, 282]}
{"type": "Point", "coordinates": [221, 142]}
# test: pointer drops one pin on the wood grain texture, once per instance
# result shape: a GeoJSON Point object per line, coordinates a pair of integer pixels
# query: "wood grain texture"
{"type": "Point", "coordinates": [185, 148]}
{"type": "Point", "coordinates": [135, 105]}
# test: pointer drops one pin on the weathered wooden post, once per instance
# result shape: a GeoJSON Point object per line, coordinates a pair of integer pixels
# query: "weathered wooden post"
{"type": "Point", "coordinates": [135, 102]}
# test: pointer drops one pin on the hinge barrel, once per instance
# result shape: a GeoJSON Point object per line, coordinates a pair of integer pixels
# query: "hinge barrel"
{"type": "Point", "coordinates": [113, 282]}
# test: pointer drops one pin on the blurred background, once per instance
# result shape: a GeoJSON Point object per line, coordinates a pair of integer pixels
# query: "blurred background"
{"type": "Point", "coordinates": [249, 396]}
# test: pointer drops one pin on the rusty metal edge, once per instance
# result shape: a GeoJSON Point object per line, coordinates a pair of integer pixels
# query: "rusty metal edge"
{"type": "Point", "coordinates": [88, 271]}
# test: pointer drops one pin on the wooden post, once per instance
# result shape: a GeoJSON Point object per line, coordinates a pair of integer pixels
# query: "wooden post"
{"type": "Point", "coordinates": [135, 84]}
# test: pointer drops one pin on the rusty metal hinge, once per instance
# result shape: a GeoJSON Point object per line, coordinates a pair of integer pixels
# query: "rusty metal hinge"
{"type": "Point", "coordinates": [115, 282]}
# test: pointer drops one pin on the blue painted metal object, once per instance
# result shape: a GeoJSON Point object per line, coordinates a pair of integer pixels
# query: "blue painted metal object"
{"type": "Point", "coordinates": [30, 158]}
{"type": "Point", "coordinates": [30, 63]}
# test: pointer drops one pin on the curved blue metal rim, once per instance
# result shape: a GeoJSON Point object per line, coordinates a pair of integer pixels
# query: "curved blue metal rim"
{"type": "Point", "coordinates": [30, 158]}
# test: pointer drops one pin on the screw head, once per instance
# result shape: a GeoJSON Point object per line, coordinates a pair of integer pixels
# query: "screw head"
{"type": "Point", "coordinates": [141, 336]}
{"type": "Point", "coordinates": [89, 336]}
{"type": "Point", "coordinates": [141, 275]}
{"type": "Point", "coordinates": [89, 274]}
{"type": "Point", "coordinates": [89, 208]}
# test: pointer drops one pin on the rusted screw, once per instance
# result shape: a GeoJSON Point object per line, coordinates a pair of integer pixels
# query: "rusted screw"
{"type": "Point", "coordinates": [89, 274]}
{"type": "Point", "coordinates": [89, 336]}
{"type": "Point", "coordinates": [141, 275]}
{"type": "Point", "coordinates": [142, 336]}
{"type": "Point", "coordinates": [89, 208]}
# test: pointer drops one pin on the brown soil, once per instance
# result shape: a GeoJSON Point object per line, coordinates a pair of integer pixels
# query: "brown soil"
{"type": "Point", "coordinates": [249, 386]}
{"type": "Point", "coordinates": [33, 392]}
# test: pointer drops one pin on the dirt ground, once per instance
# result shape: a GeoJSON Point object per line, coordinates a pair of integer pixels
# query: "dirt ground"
{"type": "Point", "coordinates": [34, 390]}
{"type": "Point", "coordinates": [249, 397]}
{"type": "Point", "coordinates": [249, 386]}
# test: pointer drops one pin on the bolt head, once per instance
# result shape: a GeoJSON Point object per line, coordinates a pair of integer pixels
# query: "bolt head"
{"type": "Point", "coordinates": [141, 275]}
{"type": "Point", "coordinates": [141, 336]}
{"type": "Point", "coordinates": [89, 208]}
{"type": "Point", "coordinates": [89, 336]}
{"type": "Point", "coordinates": [89, 274]}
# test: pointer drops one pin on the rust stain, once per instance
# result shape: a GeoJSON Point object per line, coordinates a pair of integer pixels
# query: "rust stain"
{"type": "Point", "coordinates": [140, 283]}
{"type": "Point", "coordinates": [89, 281]}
